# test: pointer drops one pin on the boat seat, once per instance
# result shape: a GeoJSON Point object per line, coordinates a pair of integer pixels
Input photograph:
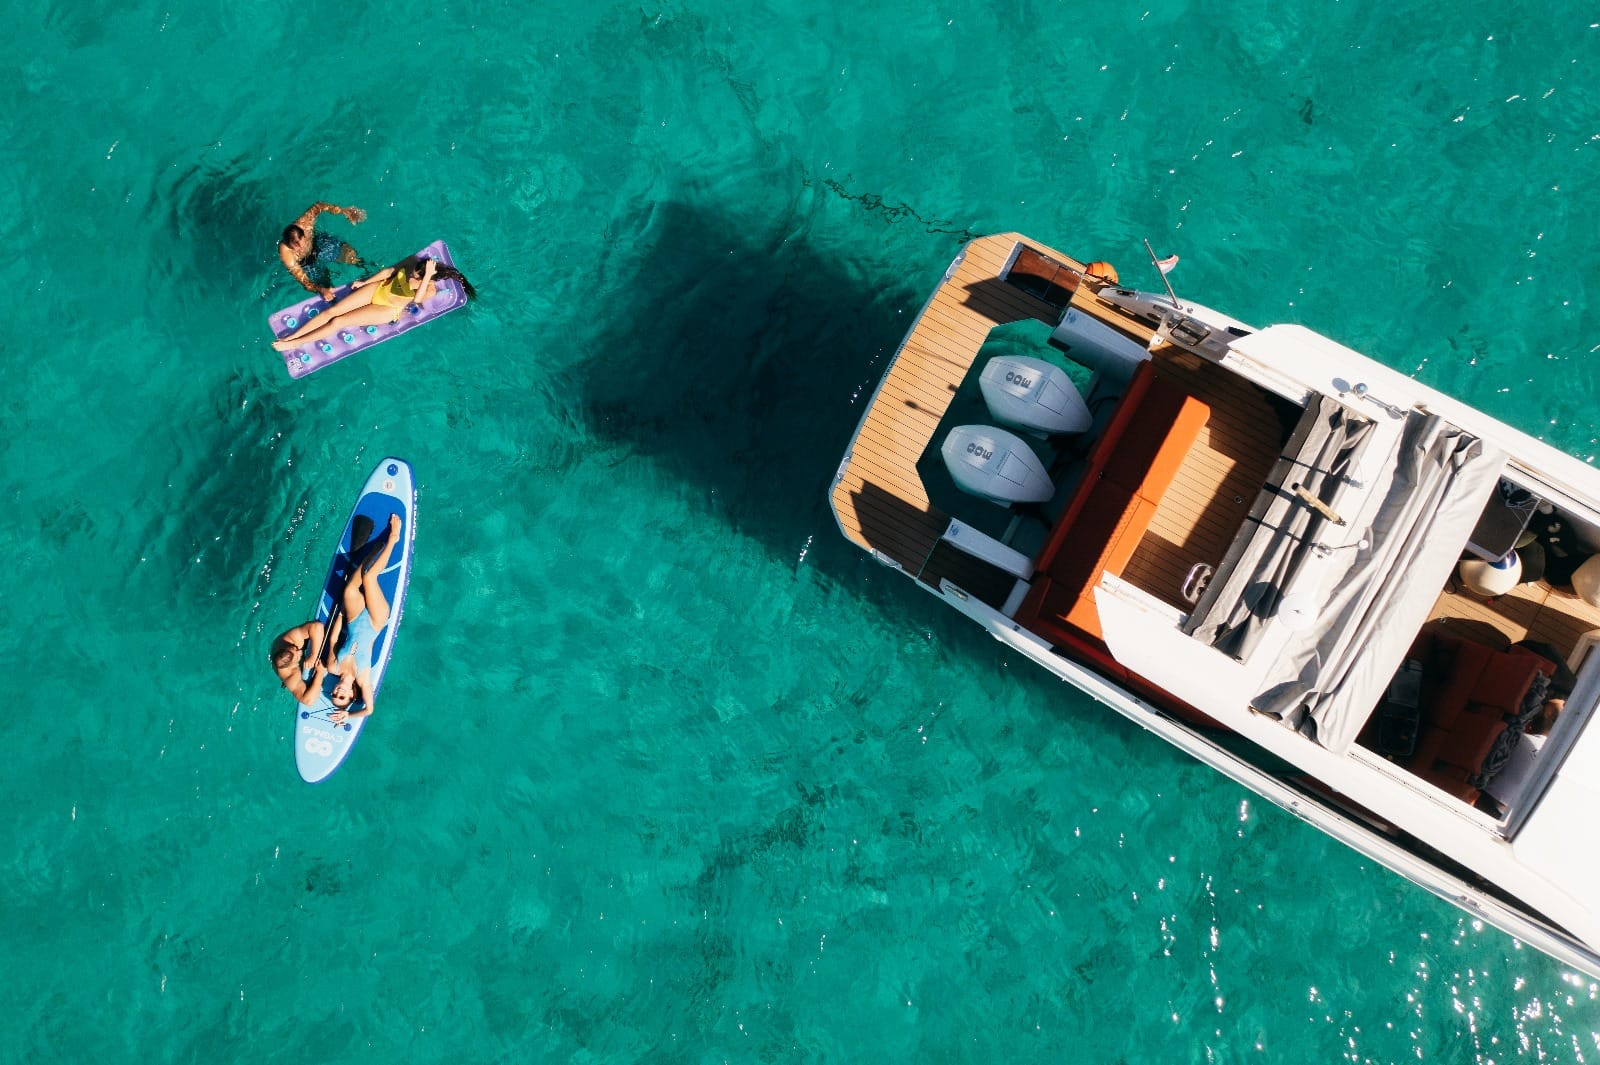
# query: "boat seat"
{"type": "Point", "coordinates": [1127, 472]}
{"type": "Point", "coordinates": [1469, 692]}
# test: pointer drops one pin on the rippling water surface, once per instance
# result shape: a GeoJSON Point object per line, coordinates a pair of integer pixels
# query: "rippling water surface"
{"type": "Point", "coordinates": [665, 771]}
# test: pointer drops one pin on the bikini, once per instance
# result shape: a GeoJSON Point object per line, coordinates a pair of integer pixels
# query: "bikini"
{"type": "Point", "coordinates": [395, 292]}
{"type": "Point", "coordinates": [359, 641]}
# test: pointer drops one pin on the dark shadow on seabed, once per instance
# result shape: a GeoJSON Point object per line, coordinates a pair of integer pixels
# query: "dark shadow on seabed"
{"type": "Point", "coordinates": [748, 380]}
{"type": "Point", "coordinates": [745, 378]}
{"type": "Point", "coordinates": [217, 217]}
{"type": "Point", "coordinates": [749, 376]}
{"type": "Point", "coordinates": [221, 528]}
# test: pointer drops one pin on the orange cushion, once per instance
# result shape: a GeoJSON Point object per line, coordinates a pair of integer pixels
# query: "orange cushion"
{"type": "Point", "coordinates": [1125, 475]}
{"type": "Point", "coordinates": [1130, 529]}
{"type": "Point", "coordinates": [1468, 689]}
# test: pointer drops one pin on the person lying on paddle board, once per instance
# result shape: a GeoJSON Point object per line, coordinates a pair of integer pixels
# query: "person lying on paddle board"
{"type": "Point", "coordinates": [307, 253]}
{"type": "Point", "coordinates": [294, 651]}
{"type": "Point", "coordinates": [382, 297]}
{"type": "Point", "coordinates": [290, 652]}
{"type": "Point", "coordinates": [348, 661]}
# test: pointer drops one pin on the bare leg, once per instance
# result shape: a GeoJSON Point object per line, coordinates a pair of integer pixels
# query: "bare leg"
{"type": "Point", "coordinates": [350, 598]}
{"type": "Point", "coordinates": [331, 324]}
{"type": "Point", "coordinates": [377, 602]}
{"type": "Point", "coordinates": [347, 254]}
{"type": "Point", "coordinates": [356, 298]}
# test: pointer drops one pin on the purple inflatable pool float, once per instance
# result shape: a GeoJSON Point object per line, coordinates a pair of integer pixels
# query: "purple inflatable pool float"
{"type": "Point", "coordinates": [309, 358]}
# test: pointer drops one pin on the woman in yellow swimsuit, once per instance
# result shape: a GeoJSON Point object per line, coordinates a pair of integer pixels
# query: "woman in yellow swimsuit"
{"type": "Point", "coordinates": [382, 297]}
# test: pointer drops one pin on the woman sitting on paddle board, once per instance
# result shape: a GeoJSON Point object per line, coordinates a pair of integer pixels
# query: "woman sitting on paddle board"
{"type": "Point", "coordinates": [374, 300]}
{"type": "Point", "coordinates": [349, 656]}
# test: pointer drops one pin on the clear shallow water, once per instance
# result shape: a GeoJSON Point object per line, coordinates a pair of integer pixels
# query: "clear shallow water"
{"type": "Point", "coordinates": [664, 770]}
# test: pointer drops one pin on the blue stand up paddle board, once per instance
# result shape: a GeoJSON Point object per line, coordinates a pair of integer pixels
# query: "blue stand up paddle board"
{"type": "Point", "coordinates": [319, 744]}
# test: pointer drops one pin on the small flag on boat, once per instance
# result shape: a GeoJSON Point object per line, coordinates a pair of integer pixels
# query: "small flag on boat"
{"type": "Point", "coordinates": [1166, 265]}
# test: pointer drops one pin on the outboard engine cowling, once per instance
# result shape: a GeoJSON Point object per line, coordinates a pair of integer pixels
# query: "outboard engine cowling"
{"type": "Point", "coordinates": [996, 465]}
{"type": "Point", "coordinates": [1033, 394]}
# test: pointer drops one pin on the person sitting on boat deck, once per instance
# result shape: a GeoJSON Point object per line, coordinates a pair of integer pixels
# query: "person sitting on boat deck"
{"type": "Point", "coordinates": [289, 653]}
{"type": "Point", "coordinates": [1545, 720]}
{"type": "Point", "coordinates": [348, 661]}
{"type": "Point", "coordinates": [379, 298]}
{"type": "Point", "coordinates": [306, 253]}
{"type": "Point", "coordinates": [1562, 681]}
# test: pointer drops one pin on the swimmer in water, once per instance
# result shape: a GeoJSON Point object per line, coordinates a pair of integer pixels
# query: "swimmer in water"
{"type": "Point", "coordinates": [306, 253]}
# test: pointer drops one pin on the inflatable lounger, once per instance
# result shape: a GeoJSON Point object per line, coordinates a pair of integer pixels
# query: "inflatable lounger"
{"type": "Point", "coordinates": [319, 744]}
{"type": "Point", "coordinates": [317, 354]}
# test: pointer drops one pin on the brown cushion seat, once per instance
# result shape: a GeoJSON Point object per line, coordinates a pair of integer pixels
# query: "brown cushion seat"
{"type": "Point", "coordinates": [1469, 694]}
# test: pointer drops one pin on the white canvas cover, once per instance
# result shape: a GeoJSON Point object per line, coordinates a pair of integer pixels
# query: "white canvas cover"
{"type": "Point", "coordinates": [1250, 584]}
{"type": "Point", "coordinates": [1330, 676]}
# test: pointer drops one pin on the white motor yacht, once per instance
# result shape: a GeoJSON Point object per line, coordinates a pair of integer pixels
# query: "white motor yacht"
{"type": "Point", "coordinates": [1362, 600]}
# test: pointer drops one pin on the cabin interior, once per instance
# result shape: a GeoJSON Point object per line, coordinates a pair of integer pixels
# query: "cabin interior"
{"type": "Point", "coordinates": [1488, 687]}
{"type": "Point", "coordinates": [1160, 486]}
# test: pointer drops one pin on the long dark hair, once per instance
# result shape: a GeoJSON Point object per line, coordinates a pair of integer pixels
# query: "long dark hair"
{"type": "Point", "coordinates": [444, 270]}
{"type": "Point", "coordinates": [456, 275]}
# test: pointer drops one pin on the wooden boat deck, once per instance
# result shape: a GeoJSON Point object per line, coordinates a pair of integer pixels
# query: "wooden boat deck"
{"type": "Point", "coordinates": [879, 498]}
{"type": "Point", "coordinates": [882, 504]}
{"type": "Point", "coordinates": [1533, 611]}
{"type": "Point", "coordinates": [1202, 512]}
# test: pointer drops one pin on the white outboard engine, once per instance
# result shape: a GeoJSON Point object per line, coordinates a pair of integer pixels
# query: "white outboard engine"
{"type": "Point", "coordinates": [1033, 394]}
{"type": "Point", "coordinates": [996, 465]}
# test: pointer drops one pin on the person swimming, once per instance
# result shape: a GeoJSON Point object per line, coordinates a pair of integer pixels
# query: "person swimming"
{"type": "Point", "coordinates": [306, 252]}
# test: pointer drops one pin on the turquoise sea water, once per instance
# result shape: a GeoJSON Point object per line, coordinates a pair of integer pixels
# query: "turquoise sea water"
{"type": "Point", "coordinates": [665, 771]}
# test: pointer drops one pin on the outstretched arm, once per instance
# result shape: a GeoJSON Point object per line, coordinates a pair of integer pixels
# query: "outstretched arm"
{"type": "Point", "coordinates": [308, 220]}
{"type": "Point", "coordinates": [382, 275]}
{"type": "Point", "coordinates": [291, 264]}
{"type": "Point", "coordinates": [313, 687]}
{"type": "Point", "coordinates": [307, 224]}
